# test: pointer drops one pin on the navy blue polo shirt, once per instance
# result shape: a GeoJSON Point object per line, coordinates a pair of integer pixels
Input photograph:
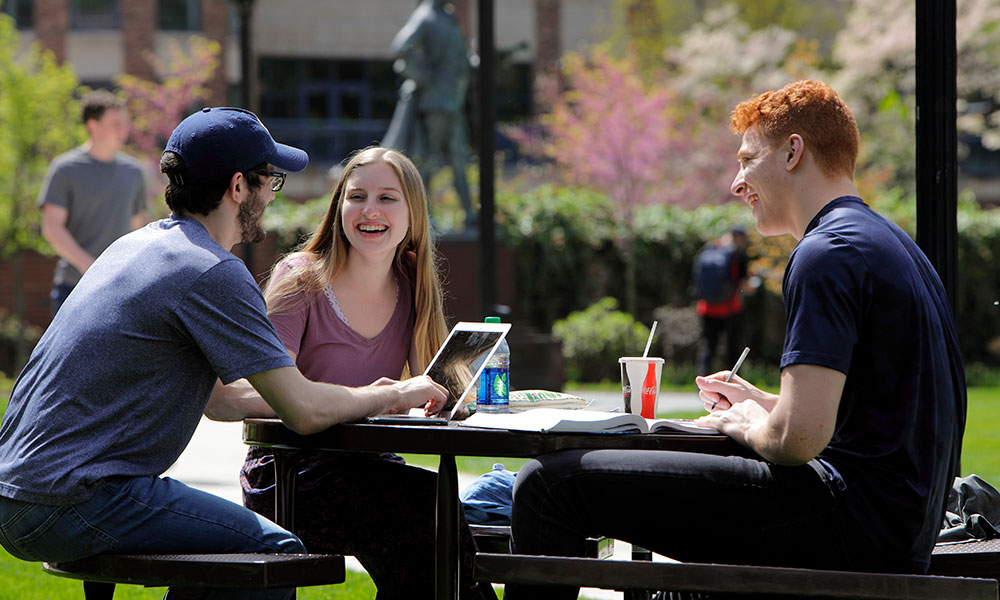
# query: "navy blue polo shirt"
{"type": "Point", "coordinates": [861, 298]}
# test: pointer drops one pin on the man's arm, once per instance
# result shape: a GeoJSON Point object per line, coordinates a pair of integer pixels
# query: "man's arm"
{"type": "Point", "coordinates": [236, 401]}
{"type": "Point", "coordinates": [54, 230]}
{"type": "Point", "coordinates": [796, 427]}
{"type": "Point", "coordinates": [308, 406]}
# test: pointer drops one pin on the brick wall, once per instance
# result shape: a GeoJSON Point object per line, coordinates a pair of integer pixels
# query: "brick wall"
{"type": "Point", "coordinates": [214, 24]}
{"type": "Point", "coordinates": [51, 31]}
{"type": "Point", "coordinates": [138, 19]}
{"type": "Point", "coordinates": [548, 49]}
{"type": "Point", "coordinates": [37, 282]}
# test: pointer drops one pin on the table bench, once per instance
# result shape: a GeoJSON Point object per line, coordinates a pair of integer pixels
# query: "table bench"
{"type": "Point", "coordinates": [249, 571]}
{"type": "Point", "coordinates": [974, 558]}
{"type": "Point", "coordinates": [733, 581]}
{"type": "Point", "coordinates": [495, 539]}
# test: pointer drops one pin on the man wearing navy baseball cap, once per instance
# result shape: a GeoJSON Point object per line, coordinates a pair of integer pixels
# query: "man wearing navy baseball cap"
{"type": "Point", "coordinates": [115, 388]}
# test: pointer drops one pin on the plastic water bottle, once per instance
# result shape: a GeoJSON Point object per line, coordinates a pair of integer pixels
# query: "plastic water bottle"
{"type": "Point", "coordinates": [493, 393]}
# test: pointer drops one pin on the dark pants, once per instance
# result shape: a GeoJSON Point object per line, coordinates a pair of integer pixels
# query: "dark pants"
{"type": "Point", "coordinates": [688, 506]}
{"type": "Point", "coordinates": [713, 328]}
{"type": "Point", "coordinates": [380, 511]}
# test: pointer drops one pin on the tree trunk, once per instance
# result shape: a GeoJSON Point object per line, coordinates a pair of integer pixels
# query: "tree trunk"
{"type": "Point", "coordinates": [628, 253]}
{"type": "Point", "coordinates": [20, 343]}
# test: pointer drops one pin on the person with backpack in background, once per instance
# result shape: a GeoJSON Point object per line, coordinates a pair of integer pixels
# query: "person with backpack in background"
{"type": "Point", "coordinates": [720, 277]}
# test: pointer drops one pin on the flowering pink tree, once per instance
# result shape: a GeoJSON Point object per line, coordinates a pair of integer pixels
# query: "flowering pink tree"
{"type": "Point", "coordinates": [611, 131]}
{"type": "Point", "coordinates": [157, 107]}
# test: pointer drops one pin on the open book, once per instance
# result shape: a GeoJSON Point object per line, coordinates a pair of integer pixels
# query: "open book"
{"type": "Point", "coordinates": [569, 420]}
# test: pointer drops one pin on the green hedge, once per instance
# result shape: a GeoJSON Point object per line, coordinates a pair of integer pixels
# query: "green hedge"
{"type": "Point", "coordinates": [567, 260]}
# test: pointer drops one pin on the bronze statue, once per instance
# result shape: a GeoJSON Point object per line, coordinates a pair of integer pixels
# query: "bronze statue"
{"type": "Point", "coordinates": [429, 121]}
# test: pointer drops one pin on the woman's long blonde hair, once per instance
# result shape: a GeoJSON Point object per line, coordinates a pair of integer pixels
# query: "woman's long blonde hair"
{"type": "Point", "coordinates": [416, 256]}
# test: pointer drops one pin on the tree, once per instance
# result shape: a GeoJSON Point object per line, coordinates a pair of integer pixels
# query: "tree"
{"type": "Point", "coordinates": [655, 26]}
{"type": "Point", "coordinates": [39, 119]}
{"type": "Point", "coordinates": [611, 131]}
{"type": "Point", "coordinates": [157, 107]}
{"type": "Point", "coordinates": [877, 78]}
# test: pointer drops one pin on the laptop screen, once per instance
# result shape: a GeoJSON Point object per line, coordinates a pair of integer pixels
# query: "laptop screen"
{"type": "Point", "coordinates": [462, 357]}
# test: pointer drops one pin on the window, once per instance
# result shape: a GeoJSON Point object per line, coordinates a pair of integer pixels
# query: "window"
{"type": "Point", "coordinates": [94, 14]}
{"type": "Point", "coordinates": [179, 15]}
{"type": "Point", "coordinates": [327, 107]}
{"type": "Point", "coordinates": [22, 11]}
{"type": "Point", "coordinates": [331, 107]}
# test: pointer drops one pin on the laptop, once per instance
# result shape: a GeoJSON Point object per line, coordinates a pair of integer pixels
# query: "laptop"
{"type": "Point", "coordinates": [457, 366]}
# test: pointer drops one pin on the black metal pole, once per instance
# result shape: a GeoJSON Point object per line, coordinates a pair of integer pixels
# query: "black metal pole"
{"type": "Point", "coordinates": [245, 8]}
{"type": "Point", "coordinates": [937, 167]}
{"type": "Point", "coordinates": [487, 116]}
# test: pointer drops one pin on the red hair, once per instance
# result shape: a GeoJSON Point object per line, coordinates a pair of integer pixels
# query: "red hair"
{"type": "Point", "coordinates": [814, 111]}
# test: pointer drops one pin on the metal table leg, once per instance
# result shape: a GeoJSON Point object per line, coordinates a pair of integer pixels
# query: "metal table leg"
{"type": "Point", "coordinates": [446, 559]}
{"type": "Point", "coordinates": [285, 471]}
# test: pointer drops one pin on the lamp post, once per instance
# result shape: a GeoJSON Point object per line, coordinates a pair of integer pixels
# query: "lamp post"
{"type": "Point", "coordinates": [244, 9]}
{"type": "Point", "coordinates": [487, 227]}
{"type": "Point", "coordinates": [937, 149]}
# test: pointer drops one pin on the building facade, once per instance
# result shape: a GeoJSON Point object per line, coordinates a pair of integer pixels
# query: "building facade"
{"type": "Point", "coordinates": [321, 70]}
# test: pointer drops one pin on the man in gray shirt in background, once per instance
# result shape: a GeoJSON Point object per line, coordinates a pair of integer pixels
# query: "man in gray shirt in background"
{"type": "Point", "coordinates": [92, 195]}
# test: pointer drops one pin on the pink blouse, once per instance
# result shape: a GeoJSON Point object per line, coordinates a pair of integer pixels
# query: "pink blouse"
{"type": "Point", "coordinates": [328, 350]}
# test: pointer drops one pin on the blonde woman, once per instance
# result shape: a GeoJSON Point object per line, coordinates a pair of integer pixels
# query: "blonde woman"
{"type": "Point", "coordinates": [361, 300]}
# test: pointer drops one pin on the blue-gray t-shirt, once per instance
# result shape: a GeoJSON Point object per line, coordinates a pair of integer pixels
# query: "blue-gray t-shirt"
{"type": "Point", "coordinates": [863, 299]}
{"type": "Point", "coordinates": [120, 379]}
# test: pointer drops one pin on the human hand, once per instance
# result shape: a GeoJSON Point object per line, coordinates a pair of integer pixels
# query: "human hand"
{"type": "Point", "coordinates": [719, 394]}
{"type": "Point", "coordinates": [462, 413]}
{"type": "Point", "coordinates": [420, 391]}
{"type": "Point", "coordinates": [737, 420]}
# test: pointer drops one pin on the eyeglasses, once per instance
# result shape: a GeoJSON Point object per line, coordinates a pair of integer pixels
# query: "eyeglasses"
{"type": "Point", "coordinates": [277, 179]}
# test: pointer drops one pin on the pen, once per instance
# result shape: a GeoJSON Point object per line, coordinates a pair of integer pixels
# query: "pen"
{"type": "Point", "coordinates": [736, 367]}
{"type": "Point", "coordinates": [739, 363]}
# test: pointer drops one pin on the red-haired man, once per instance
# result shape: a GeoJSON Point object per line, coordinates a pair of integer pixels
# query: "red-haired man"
{"type": "Point", "coordinates": [860, 445]}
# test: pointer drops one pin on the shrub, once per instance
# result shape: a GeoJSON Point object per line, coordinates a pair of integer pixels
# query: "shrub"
{"type": "Point", "coordinates": [593, 339]}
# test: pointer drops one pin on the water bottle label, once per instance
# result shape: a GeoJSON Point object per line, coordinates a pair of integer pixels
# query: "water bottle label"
{"type": "Point", "coordinates": [493, 387]}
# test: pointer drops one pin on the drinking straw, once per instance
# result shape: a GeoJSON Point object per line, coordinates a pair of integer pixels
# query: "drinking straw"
{"type": "Point", "coordinates": [650, 340]}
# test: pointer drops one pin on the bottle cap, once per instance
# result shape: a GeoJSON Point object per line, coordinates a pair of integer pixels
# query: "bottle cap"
{"type": "Point", "coordinates": [492, 320]}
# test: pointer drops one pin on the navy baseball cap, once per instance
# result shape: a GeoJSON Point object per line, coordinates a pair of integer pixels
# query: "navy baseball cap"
{"type": "Point", "coordinates": [217, 142]}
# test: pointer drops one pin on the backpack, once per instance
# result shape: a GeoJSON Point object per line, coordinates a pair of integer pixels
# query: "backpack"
{"type": "Point", "coordinates": [713, 274]}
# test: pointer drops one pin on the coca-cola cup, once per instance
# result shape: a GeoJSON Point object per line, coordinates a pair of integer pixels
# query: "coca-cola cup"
{"type": "Point", "coordinates": [640, 384]}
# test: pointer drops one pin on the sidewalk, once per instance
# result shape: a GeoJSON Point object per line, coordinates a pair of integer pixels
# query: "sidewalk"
{"type": "Point", "coordinates": [212, 461]}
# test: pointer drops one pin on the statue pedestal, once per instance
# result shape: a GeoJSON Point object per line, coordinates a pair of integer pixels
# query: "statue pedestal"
{"type": "Point", "coordinates": [460, 274]}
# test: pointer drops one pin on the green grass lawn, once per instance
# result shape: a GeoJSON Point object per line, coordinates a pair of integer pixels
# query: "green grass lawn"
{"type": "Point", "coordinates": [26, 581]}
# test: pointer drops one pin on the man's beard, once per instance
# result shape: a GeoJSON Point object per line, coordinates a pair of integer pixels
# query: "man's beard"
{"type": "Point", "coordinates": [249, 216]}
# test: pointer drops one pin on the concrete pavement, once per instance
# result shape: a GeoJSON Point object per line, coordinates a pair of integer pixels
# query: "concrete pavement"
{"type": "Point", "coordinates": [212, 460]}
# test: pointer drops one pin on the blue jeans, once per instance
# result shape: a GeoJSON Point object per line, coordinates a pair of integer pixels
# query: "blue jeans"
{"type": "Point", "coordinates": [144, 515]}
{"type": "Point", "coordinates": [688, 506]}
